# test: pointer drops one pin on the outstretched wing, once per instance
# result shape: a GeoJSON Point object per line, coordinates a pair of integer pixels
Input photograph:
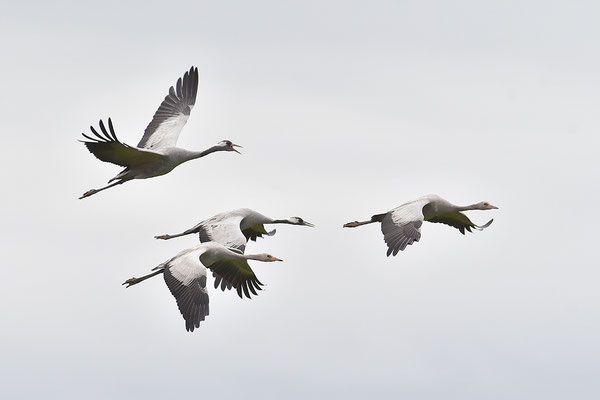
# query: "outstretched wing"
{"type": "Point", "coordinates": [173, 113]}
{"type": "Point", "coordinates": [185, 277]}
{"type": "Point", "coordinates": [401, 226]}
{"type": "Point", "coordinates": [237, 273]}
{"type": "Point", "coordinates": [108, 148]}
{"type": "Point", "coordinates": [459, 221]}
{"type": "Point", "coordinates": [225, 231]}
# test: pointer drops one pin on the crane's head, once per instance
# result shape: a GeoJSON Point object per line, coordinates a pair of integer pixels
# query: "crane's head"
{"type": "Point", "coordinates": [299, 221]}
{"type": "Point", "coordinates": [484, 205]}
{"type": "Point", "coordinates": [266, 257]}
{"type": "Point", "coordinates": [227, 145]}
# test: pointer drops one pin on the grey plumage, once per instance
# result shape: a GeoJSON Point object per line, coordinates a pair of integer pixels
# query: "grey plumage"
{"type": "Point", "coordinates": [175, 104]}
{"type": "Point", "coordinates": [233, 229]}
{"type": "Point", "coordinates": [192, 298]}
{"type": "Point", "coordinates": [398, 237]}
{"type": "Point", "coordinates": [186, 274]}
{"type": "Point", "coordinates": [156, 153]}
{"type": "Point", "coordinates": [402, 225]}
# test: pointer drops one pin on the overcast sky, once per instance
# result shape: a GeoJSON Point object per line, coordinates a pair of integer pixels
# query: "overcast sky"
{"type": "Point", "coordinates": [345, 109]}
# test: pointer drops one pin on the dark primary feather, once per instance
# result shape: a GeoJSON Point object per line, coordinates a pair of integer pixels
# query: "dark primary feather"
{"type": "Point", "coordinates": [459, 221]}
{"type": "Point", "coordinates": [191, 299]}
{"type": "Point", "coordinates": [239, 275]}
{"type": "Point", "coordinates": [203, 233]}
{"type": "Point", "coordinates": [220, 281]}
{"type": "Point", "coordinates": [252, 234]}
{"type": "Point", "coordinates": [175, 103]}
{"type": "Point", "coordinates": [107, 147]}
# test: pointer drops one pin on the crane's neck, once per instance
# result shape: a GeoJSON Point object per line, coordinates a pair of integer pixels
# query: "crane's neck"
{"type": "Point", "coordinates": [280, 221]}
{"type": "Point", "coordinates": [252, 257]}
{"type": "Point", "coordinates": [467, 208]}
{"type": "Point", "coordinates": [192, 155]}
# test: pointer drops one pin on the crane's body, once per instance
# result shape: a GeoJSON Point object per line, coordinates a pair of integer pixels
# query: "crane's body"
{"type": "Point", "coordinates": [186, 275]}
{"type": "Point", "coordinates": [234, 228]}
{"type": "Point", "coordinates": [156, 153]}
{"type": "Point", "coordinates": [402, 225]}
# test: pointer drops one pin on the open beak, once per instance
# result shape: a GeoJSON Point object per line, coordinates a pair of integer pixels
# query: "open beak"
{"type": "Point", "coordinates": [236, 145]}
{"type": "Point", "coordinates": [308, 224]}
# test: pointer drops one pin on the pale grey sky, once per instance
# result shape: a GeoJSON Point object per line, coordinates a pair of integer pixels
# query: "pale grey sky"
{"type": "Point", "coordinates": [344, 109]}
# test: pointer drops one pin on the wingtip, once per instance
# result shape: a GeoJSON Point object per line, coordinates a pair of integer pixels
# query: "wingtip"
{"type": "Point", "coordinates": [482, 227]}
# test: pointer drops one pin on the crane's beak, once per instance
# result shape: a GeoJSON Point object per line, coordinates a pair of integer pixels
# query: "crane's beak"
{"type": "Point", "coordinates": [236, 145]}
{"type": "Point", "coordinates": [308, 224]}
{"type": "Point", "coordinates": [276, 259]}
{"type": "Point", "coordinates": [491, 207]}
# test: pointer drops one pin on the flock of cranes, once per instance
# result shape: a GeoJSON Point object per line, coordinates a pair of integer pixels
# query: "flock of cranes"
{"type": "Point", "coordinates": [223, 237]}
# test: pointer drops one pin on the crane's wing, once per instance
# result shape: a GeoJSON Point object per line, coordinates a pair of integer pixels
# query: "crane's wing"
{"type": "Point", "coordinates": [402, 225]}
{"type": "Point", "coordinates": [228, 233]}
{"type": "Point", "coordinates": [256, 231]}
{"type": "Point", "coordinates": [173, 113]}
{"type": "Point", "coordinates": [237, 273]}
{"type": "Point", "coordinates": [225, 231]}
{"type": "Point", "coordinates": [108, 148]}
{"type": "Point", "coordinates": [185, 277]}
{"type": "Point", "coordinates": [459, 221]}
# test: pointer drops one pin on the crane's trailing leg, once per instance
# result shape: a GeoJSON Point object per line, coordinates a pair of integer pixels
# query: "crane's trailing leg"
{"type": "Point", "coordinates": [354, 224]}
{"type": "Point", "coordinates": [374, 218]}
{"type": "Point", "coordinates": [94, 191]}
{"type": "Point", "coordinates": [167, 236]}
{"type": "Point", "coordinates": [135, 281]}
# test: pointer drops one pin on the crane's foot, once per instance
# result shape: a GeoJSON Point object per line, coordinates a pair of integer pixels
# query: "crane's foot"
{"type": "Point", "coordinates": [353, 224]}
{"type": "Point", "coordinates": [88, 193]}
{"type": "Point", "coordinates": [131, 282]}
{"type": "Point", "coordinates": [163, 237]}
